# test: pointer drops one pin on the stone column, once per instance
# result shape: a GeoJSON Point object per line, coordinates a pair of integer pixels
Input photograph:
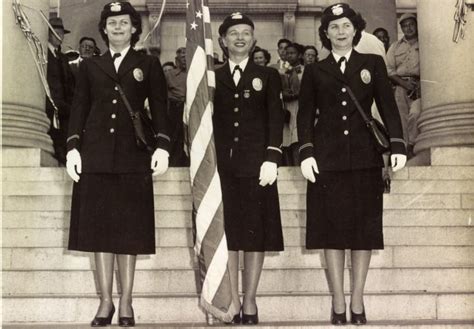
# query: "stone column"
{"type": "Point", "coordinates": [289, 23]}
{"type": "Point", "coordinates": [155, 38]}
{"type": "Point", "coordinates": [24, 122]}
{"type": "Point", "coordinates": [447, 114]}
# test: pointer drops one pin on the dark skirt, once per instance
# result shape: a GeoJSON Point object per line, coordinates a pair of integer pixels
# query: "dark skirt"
{"type": "Point", "coordinates": [113, 213]}
{"type": "Point", "coordinates": [251, 215]}
{"type": "Point", "coordinates": [344, 210]}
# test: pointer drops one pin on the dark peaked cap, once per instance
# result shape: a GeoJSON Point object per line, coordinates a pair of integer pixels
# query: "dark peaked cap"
{"type": "Point", "coordinates": [336, 11]}
{"type": "Point", "coordinates": [119, 8]}
{"type": "Point", "coordinates": [234, 19]}
{"type": "Point", "coordinates": [58, 22]}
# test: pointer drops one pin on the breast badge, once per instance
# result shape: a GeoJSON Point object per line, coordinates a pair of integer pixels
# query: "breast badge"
{"type": "Point", "coordinates": [138, 74]}
{"type": "Point", "coordinates": [365, 76]}
{"type": "Point", "coordinates": [257, 84]}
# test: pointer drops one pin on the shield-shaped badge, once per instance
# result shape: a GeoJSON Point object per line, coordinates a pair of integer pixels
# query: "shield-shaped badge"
{"type": "Point", "coordinates": [138, 74]}
{"type": "Point", "coordinates": [365, 76]}
{"type": "Point", "coordinates": [257, 84]}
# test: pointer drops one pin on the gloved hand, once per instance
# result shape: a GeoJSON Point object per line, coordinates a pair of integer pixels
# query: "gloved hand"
{"type": "Point", "coordinates": [159, 161]}
{"type": "Point", "coordinates": [308, 168]}
{"type": "Point", "coordinates": [74, 164]}
{"type": "Point", "coordinates": [268, 173]}
{"type": "Point", "coordinates": [398, 161]}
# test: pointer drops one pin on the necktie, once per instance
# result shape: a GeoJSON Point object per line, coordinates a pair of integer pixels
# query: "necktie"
{"type": "Point", "coordinates": [342, 64]}
{"type": "Point", "coordinates": [116, 63]}
{"type": "Point", "coordinates": [237, 74]}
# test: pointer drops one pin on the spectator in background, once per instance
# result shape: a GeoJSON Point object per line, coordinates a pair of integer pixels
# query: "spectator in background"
{"type": "Point", "coordinates": [382, 35]}
{"type": "Point", "coordinates": [176, 80]}
{"type": "Point", "coordinates": [261, 56]}
{"type": "Point", "coordinates": [167, 66]}
{"type": "Point", "coordinates": [61, 85]}
{"type": "Point", "coordinates": [310, 55]}
{"type": "Point", "coordinates": [281, 64]}
{"type": "Point", "coordinates": [291, 87]}
{"type": "Point", "coordinates": [87, 48]}
{"type": "Point", "coordinates": [403, 65]}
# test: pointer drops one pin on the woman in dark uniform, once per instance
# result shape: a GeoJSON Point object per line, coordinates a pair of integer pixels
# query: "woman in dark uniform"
{"type": "Point", "coordinates": [112, 211]}
{"type": "Point", "coordinates": [248, 126]}
{"type": "Point", "coordinates": [344, 199]}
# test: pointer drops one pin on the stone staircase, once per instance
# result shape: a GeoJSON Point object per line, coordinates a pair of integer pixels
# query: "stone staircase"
{"type": "Point", "coordinates": [423, 279]}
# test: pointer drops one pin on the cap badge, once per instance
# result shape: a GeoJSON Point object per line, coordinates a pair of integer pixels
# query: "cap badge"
{"type": "Point", "coordinates": [257, 84]}
{"type": "Point", "coordinates": [365, 76]}
{"type": "Point", "coordinates": [236, 15]}
{"type": "Point", "coordinates": [115, 7]}
{"type": "Point", "coordinates": [138, 74]}
{"type": "Point", "coordinates": [337, 10]}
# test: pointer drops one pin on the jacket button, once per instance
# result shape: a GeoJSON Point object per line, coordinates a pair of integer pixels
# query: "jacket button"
{"type": "Point", "coordinates": [236, 109]}
{"type": "Point", "coordinates": [113, 116]}
{"type": "Point", "coordinates": [343, 90]}
{"type": "Point", "coordinates": [114, 101]}
{"type": "Point", "coordinates": [236, 139]}
{"type": "Point", "coordinates": [344, 103]}
{"type": "Point", "coordinates": [344, 117]}
{"type": "Point", "coordinates": [236, 95]}
{"type": "Point", "coordinates": [116, 88]}
{"type": "Point", "coordinates": [236, 124]}
{"type": "Point", "coordinates": [346, 132]}
{"type": "Point", "coordinates": [112, 130]}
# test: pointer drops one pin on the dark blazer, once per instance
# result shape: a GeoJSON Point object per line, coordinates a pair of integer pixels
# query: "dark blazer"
{"type": "Point", "coordinates": [100, 125]}
{"type": "Point", "coordinates": [248, 119]}
{"type": "Point", "coordinates": [340, 140]}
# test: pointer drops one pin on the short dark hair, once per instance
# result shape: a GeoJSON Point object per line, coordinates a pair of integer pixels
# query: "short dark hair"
{"type": "Point", "coordinates": [311, 47]}
{"type": "Point", "coordinates": [88, 39]}
{"type": "Point", "coordinates": [356, 20]}
{"type": "Point", "coordinates": [136, 23]}
{"type": "Point", "coordinates": [380, 29]}
{"type": "Point", "coordinates": [265, 52]}
{"type": "Point", "coordinates": [283, 41]}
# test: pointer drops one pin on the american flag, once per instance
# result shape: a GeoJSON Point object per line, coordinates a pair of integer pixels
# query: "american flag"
{"type": "Point", "coordinates": [210, 241]}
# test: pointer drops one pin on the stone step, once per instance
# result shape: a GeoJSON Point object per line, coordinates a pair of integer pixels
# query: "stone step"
{"type": "Point", "coordinates": [413, 324]}
{"type": "Point", "coordinates": [27, 157]}
{"type": "Point", "coordinates": [50, 188]}
{"type": "Point", "coordinates": [287, 202]}
{"type": "Point", "coordinates": [183, 309]}
{"type": "Point", "coordinates": [39, 283]}
{"type": "Point", "coordinates": [452, 156]}
{"type": "Point", "coordinates": [293, 236]}
{"type": "Point", "coordinates": [290, 218]}
{"type": "Point", "coordinates": [57, 258]}
{"type": "Point", "coordinates": [21, 174]}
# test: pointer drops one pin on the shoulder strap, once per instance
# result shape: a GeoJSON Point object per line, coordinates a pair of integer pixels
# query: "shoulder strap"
{"type": "Point", "coordinates": [357, 104]}
{"type": "Point", "coordinates": [133, 115]}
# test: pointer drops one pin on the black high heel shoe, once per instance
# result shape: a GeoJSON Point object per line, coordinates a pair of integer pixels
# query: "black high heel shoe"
{"type": "Point", "coordinates": [338, 319]}
{"type": "Point", "coordinates": [250, 318]}
{"type": "Point", "coordinates": [358, 319]}
{"type": "Point", "coordinates": [127, 321]}
{"type": "Point", "coordinates": [102, 322]}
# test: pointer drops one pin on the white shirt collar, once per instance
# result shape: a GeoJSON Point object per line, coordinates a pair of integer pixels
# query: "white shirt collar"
{"type": "Point", "coordinates": [337, 57]}
{"type": "Point", "coordinates": [242, 65]}
{"type": "Point", "coordinates": [51, 47]}
{"type": "Point", "coordinates": [123, 53]}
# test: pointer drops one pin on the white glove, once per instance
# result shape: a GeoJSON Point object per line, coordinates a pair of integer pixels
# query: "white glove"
{"type": "Point", "coordinates": [268, 173]}
{"type": "Point", "coordinates": [159, 162]}
{"type": "Point", "coordinates": [308, 168]}
{"type": "Point", "coordinates": [398, 161]}
{"type": "Point", "coordinates": [74, 164]}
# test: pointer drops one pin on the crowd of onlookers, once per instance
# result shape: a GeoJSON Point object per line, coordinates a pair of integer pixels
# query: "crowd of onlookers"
{"type": "Point", "coordinates": [401, 57]}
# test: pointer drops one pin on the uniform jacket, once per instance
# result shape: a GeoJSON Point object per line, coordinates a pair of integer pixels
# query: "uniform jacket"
{"type": "Point", "coordinates": [340, 140]}
{"type": "Point", "coordinates": [100, 125]}
{"type": "Point", "coordinates": [248, 119]}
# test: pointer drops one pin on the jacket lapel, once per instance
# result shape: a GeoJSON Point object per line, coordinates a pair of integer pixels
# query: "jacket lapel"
{"type": "Point", "coordinates": [330, 66]}
{"type": "Point", "coordinates": [355, 62]}
{"type": "Point", "coordinates": [106, 64]}
{"type": "Point", "coordinates": [225, 77]}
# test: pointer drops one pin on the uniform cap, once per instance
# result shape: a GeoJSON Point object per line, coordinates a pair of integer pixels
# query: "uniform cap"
{"type": "Point", "coordinates": [58, 22]}
{"type": "Point", "coordinates": [119, 8]}
{"type": "Point", "coordinates": [336, 11]}
{"type": "Point", "coordinates": [234, 19]}
{"type": "Point", "coordinates": [407, 16]}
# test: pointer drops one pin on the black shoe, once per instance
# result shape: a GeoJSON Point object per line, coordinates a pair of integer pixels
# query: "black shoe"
{"type": "Point", "coordinates": [125, 321]}
{"type": "Point", "coordinates": [358, 319]}
{"type": "Point", "coordinates": [102, 322]}
{"type": "Point", "coordinates": [338, 319]}
{"type": "Point", "coordinates": [250, 318]}
{"type": "Point", "coordinates": [235, 320]}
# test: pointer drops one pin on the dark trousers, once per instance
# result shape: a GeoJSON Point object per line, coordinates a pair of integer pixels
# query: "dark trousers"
{"type": "Point", "coordinates": [178, 157]}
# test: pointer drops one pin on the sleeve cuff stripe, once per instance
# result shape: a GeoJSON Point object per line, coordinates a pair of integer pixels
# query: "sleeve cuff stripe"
{"type": "Point", "coordinates": [398, 140]}
{"type": "Point", "coordinates": [164, 136]}
{"type": "Point", "coordinates": [274, 149]}
{"type": "Point", "coordinates": [305, 146]}
{"type": "Point", "coordinates": [72, 137]}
